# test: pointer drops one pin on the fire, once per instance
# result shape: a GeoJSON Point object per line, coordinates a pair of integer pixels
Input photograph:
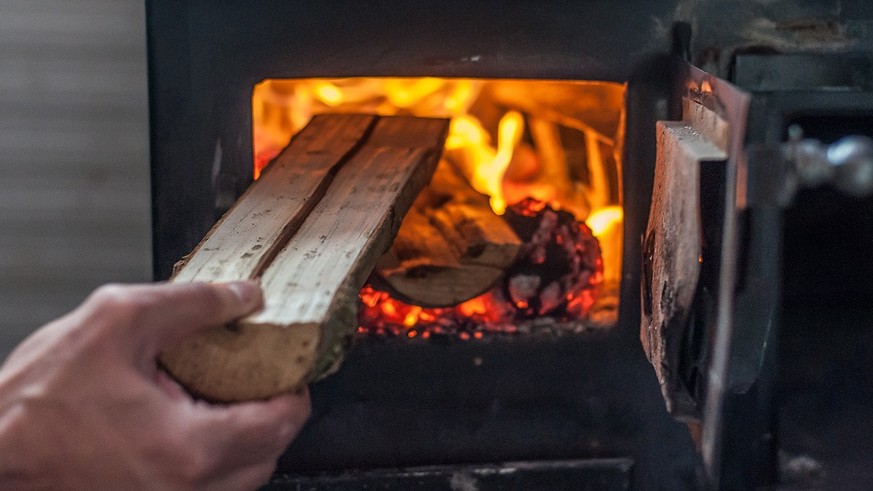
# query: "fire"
{"type": "Point", "coordinates": [424, 96]}
{"type": "Point", "coordinates": [557, 142]}
{"type": "Point", "coordinates": [569, 295]}
{"type": "Point", "coordinates": [488, 177]}
{"type": "Point", "coordinates": [603, 219]}
{"type": "Point", "coordinates": [488, 164]}
{"type": "Point", "coordinates": [328, 93]}
{"type": "Point", "coordinates": [494, 153]}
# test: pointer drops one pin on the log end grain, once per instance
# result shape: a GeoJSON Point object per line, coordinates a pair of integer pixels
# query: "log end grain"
{"type": "Point", "coordinates": [244, 362]}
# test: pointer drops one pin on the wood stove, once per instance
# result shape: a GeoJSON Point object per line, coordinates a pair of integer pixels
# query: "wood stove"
{"type": "Point", "coordinates": [561, 409]}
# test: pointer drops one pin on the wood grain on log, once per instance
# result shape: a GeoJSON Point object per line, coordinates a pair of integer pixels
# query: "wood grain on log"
{"type": "Point", "coordinates": [451, 247]}
{"type": "Point", "coordinates": [672, 251]}
{"type": "Point", "coordinates": [315, 254]}
{"type": "Point", "coordinates": [250, 234]}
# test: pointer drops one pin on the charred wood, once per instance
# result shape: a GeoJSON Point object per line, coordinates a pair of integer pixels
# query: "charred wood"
{"type": "Point", "coordinates": [451, 246]}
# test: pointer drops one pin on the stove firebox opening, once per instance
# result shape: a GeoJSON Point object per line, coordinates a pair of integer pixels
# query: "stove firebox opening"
{"type": "Point", "coordinates": [520, 230]}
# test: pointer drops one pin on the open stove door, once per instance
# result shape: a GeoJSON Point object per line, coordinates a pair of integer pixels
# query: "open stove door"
{"type": "Point", "coordinates": [709, 283]}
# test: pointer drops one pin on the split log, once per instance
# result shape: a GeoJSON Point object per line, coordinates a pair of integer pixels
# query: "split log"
{"type": "Point", "coordinates": [311, 229]}
{"type": "Point", "coordinates": [250, 234]}
{"type": "Point", "coordinates": [451, 246]}
{"type": "Point", "coordinates": [556, 279]}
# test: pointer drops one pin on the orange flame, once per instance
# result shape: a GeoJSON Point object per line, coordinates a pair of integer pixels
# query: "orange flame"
{"type": "Point", "coordinates": [503, 153]}
{"type": "Point", "coordinates": [484, 152]}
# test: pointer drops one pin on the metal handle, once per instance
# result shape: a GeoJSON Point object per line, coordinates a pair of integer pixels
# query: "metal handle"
{"type": "Point", "coordinates": [847, 164]}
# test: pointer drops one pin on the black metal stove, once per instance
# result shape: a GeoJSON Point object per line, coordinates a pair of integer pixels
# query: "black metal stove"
{"type": "Point", "coordinates": [537, 412]}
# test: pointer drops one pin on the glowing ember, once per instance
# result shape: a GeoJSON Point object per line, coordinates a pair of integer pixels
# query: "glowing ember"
{"type": "Point", "coordinates": [382, 314]}
{"type": "Point", "coordinates": [558, 275]}
{"type": "Point", "coordinates": [560, 269]}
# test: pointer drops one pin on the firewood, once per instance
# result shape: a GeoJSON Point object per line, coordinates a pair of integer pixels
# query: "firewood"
{"type": "Point", "coordinates": [311, 229]}
{"type": "Point", "coordinates": [451, 246]}
{"type": "Point", "coordinates": [250, 234]}
{"type": "Point", "coordinates": [560, 269]}
{"type": "Point", "coordinates": [557, 279]}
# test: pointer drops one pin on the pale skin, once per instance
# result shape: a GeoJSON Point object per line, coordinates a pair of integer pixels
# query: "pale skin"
{"type": "Point", "coordinates": [83, 404]}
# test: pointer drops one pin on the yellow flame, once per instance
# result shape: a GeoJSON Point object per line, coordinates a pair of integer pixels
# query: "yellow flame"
{"type": "Point", "coordinates": [460, 97]}
{"type": "Point", "coordinates": [605, 224]}
{"type": "Point", "coordinates": [280, 108]}
{"type": "Point", "coordinates": [328, 93]}
{"type": "Point", "coordinates": [488, 176]}
{"type": "Point", "coordinates": [408, 92]}
{"type": "Point", "coordinates": [600, 221]}
{"type": "Point", "coordinates": [466, 131]}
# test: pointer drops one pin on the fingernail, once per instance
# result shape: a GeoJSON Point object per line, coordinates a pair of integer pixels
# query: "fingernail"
{"type": "Point", "coordinates": [245, 291]}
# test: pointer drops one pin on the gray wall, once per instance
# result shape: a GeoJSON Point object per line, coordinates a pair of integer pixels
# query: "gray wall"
{"type": "Point", "coordinates": [74, 196]}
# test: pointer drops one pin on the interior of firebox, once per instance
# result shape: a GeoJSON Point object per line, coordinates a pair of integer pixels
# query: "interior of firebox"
{"type": "Point", "coordinates": [520, 229]}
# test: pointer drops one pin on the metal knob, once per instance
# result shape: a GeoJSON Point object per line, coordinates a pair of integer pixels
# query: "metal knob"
{"type": "Point", "coordinates": [851, 158]}
{"type": "Point", "coordinates": [846, 163]}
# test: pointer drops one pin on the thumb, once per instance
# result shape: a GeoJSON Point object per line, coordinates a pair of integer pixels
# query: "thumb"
{"type": "Point", "coordinates": [152, 317]}
{"type": "Point", "coordinates": [185, 309]}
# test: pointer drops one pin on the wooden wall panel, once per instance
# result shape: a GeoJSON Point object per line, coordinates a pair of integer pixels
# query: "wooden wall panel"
{"type": "Point", "coordinates": [74, 191]}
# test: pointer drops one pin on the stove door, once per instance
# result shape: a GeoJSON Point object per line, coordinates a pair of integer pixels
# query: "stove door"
{"type": "Point", "coordinates": [690, 255]}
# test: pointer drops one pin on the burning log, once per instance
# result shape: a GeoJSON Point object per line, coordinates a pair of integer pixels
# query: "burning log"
{"type": "Point", "coordinates": [557, 275]}
{"type": "Point", "coordinates": [451, 246]}
{"type": "Point", "coordinates": [312, 240]}
{"type": "Point", "coordinates": [560, 268]}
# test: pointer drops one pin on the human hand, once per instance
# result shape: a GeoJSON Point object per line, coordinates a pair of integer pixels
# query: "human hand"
{"type": "Point", "coordinates": [84, 406]}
